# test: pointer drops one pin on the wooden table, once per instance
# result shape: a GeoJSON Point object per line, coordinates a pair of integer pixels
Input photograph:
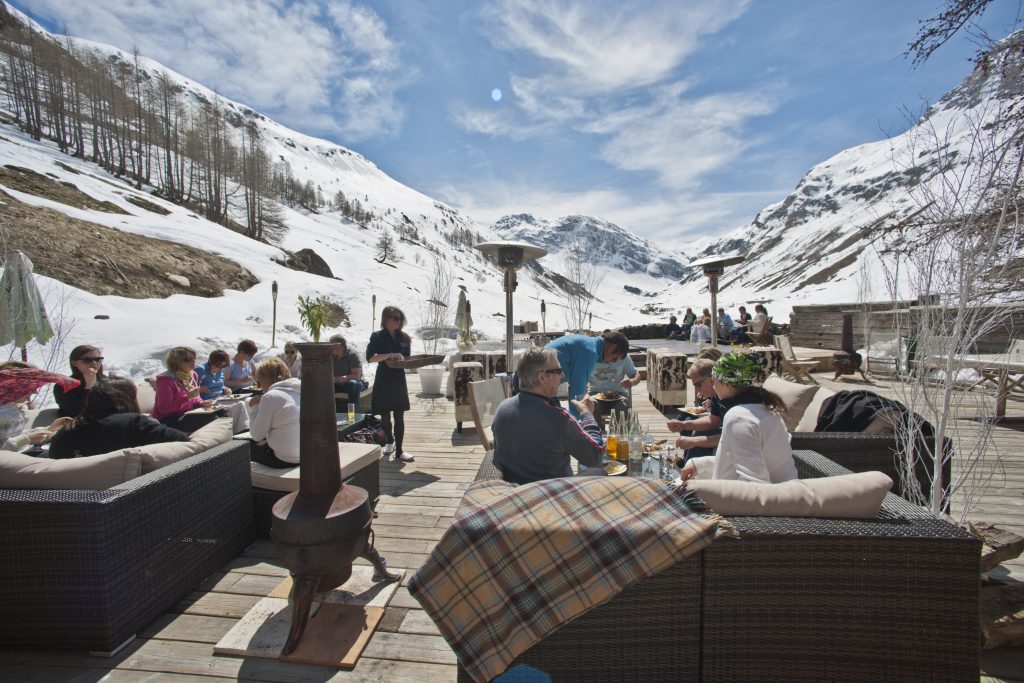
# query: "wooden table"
{"type": "Point", "coordinates": [996, 368]}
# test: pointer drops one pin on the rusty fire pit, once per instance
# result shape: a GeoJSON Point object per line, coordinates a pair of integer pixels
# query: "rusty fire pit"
{"type": "Point", "coordinates": [319, 530]}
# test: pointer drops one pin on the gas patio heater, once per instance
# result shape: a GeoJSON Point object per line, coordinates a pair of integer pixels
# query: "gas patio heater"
{"type": "Point", "coordinates": [510, 257]}
{"type": "Point", "coordinates": [714, 268]}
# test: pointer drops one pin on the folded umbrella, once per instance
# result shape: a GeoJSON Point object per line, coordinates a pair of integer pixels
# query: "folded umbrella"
{"type": "Point", "coordinates": [19, 383]}
{"type": "Point", "coordinates": [22, 313]}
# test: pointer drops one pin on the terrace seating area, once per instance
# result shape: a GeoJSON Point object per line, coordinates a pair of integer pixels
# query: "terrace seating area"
{"type": "Point", "coordinates": [417, 502]}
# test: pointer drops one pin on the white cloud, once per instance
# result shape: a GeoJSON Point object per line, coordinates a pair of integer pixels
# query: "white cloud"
{"type": "Point", "coordinates": [309, 64]}
{"type": "Point", "coordinates": [604, 47]}
{"type": "Point", "coordinates": [613, 70]}
{"type": "Point", "coordinates": [681, 139]}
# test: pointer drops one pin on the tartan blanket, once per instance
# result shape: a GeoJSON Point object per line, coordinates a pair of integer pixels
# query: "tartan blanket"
{"type": "Point", "coordinates": [518, 562]}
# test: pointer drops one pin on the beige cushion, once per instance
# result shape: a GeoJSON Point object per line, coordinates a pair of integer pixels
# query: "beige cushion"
{"type": "Point", "coordinates": [796, 396]}
{"type": "Point", "coordinates": [810, 418]}
{"type": "Point", "coordinates": [352, 457]}
{"type": "Point", "coordinates": [157, 455]}
{"type": "Point", "coordinates": [93, 473]}
{"type": "Point", "coordinates": [146, 396]}
{"type": "Point", "coordinates": [857, 495]}
{"type": "Point", "coordinates": [885, 422]}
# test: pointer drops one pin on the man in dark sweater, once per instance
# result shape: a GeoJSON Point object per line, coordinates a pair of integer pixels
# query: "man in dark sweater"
{"type": "Point", "coordinates": [533, 435]}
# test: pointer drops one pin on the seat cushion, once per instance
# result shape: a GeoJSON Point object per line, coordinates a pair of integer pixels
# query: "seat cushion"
{"type": "Point", "coordinates": [92, 473]}
{"type": "Point", "coordinates": [856, 496]}
{"type": "Point", "coordinates": [157, 455]}
{"type": "Point", "coordinates": [351, 456]}
{"type": "Point", "coordinates": [796, 397]}
{"type": "Point", "coordinates": [809, 420]}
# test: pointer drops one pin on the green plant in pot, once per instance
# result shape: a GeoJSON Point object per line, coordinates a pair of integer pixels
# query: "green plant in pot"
{"type": "Point", "coordinates": [313, 313]}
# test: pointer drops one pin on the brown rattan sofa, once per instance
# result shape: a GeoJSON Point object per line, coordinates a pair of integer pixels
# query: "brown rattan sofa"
{"type": "Point", "coordinates": [85, 570]}
{"type": "Point", "coordinates": [793, 599]}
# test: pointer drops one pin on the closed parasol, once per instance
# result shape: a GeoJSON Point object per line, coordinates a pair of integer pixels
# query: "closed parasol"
{"type": "Point", "coordinates": [463, 316]}
{"type": "Point", "coordinates": [22, 313]}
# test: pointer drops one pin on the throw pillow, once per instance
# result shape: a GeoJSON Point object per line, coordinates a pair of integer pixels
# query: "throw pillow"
{"type": "Point", "coordinates": [157, 455]}
{"type": "Point", "coordinates": [796, 396]}
{"type": "Point", "coordinates": [94, 473]}
{"type": "Point", "coordinates": [810, 419]}
{"type": "Point", "coordinates": [857, 496]}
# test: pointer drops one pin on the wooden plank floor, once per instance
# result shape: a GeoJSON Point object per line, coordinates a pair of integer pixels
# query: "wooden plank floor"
{"type": "Point", "coordinates": [418, 500]}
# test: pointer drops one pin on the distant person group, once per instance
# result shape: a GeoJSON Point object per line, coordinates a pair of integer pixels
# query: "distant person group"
{"type": "Point", "coordinates": [731, 330]}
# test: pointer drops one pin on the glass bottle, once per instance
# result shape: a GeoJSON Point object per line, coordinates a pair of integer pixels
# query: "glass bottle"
{"type": "Point", "coordinates": [636, 450]}
{"type": "Point", "coordinates": [612, 442]}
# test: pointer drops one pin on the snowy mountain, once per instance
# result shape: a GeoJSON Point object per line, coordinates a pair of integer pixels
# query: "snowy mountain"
{"type": "Point", "coordinates": [849, 213]}
{"type": "Point", "coordinates": [600, 242]}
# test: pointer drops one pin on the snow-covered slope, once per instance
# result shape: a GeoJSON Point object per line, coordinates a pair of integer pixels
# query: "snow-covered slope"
{"type": "Point", "coordinates": [851, 211]}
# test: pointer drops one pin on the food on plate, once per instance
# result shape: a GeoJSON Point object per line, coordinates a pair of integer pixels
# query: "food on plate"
{"type": "Point", "coordinates": [608, 396]}
{"type": "Point", "coordinates": [612, 468]}
{"type": "Point", "coordinates": [697, 410]}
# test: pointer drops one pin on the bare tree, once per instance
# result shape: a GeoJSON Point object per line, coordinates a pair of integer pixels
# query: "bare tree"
{"type": "Point", "coordinates": [435, 312]}
{"type": "Point", "coordinates": [582, 277]}
{"type": "Point", "coordinates": [960, 253]}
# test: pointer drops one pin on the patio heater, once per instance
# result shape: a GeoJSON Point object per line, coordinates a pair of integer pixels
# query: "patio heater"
{"type": "Point", "coordinates": [714, 268]}
{"type": "Point", "coordinates": [510, 257]}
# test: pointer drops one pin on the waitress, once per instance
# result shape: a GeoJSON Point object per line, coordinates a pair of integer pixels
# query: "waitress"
{"type": "Point", "coordinates": [390, 394]}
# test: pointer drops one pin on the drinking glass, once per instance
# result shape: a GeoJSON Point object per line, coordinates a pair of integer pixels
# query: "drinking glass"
{"type": "Point", "coordinates": [351, 412]}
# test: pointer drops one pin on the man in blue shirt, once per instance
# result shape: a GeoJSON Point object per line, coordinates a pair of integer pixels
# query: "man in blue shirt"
{"type": "Point", "coordinates": [579, 354]}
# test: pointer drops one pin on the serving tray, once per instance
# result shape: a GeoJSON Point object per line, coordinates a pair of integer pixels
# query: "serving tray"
{"type": "Point", "coordinates": [415, 361]}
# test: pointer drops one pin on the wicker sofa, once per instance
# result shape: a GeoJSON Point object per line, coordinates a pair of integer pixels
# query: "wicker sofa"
{"type": "Point", "coordinates": [86, 569]}
{"type": "Point", "coordinates": [794, 599]}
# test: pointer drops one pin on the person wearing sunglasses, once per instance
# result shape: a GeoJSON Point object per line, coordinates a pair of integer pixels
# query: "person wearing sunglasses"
{"type": "Point", "coordinates": [534, 437]}
{"type": "Point", "coordinates": [211, 375]}
{"type": "Point", "coordinates": [87, 368]}
{"type": "Point", "coordinates": [390, 394]}
{"type": "Point", "coordinates": [699, 434]}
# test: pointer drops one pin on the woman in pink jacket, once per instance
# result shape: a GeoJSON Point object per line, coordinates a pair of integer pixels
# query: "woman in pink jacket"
{"type": "Point", "coordinates": [177, 393]}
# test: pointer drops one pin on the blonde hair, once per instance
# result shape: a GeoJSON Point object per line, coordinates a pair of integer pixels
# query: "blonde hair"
{"type": "Point", "coordinates": [271, 371]}
{"type": "Point", "coordinates": [177, 356]}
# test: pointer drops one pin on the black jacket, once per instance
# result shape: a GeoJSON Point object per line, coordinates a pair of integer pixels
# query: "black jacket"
{"type": "Point", "coordinates": [112, 433]}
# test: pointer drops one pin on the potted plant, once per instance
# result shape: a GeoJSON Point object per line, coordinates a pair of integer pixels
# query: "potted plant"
{"type": "Point", "coordinates": [313, 314]}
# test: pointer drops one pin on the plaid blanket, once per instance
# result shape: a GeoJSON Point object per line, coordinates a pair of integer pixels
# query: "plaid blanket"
{"type": "Point", "coordinates": [519, 562]}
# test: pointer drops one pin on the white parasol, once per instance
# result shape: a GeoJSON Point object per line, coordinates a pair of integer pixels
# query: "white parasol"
{"type": "Point", "coordinates": [22, 313]}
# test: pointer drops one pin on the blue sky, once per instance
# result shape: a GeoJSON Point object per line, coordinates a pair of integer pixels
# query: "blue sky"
{"type": "Point", "coordinates": [675, 119]}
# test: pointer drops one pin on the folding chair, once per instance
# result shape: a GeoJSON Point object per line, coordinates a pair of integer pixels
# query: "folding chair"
{"type": "Point", "coordinates": [798, 370]}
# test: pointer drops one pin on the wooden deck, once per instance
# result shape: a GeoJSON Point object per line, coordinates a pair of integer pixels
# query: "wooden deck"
{"type": "Point", "coordinates": [417, 502]}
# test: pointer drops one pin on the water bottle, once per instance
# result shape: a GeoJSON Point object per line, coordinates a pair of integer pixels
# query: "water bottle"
{"type": "Point", "coordinates": [636, 449]}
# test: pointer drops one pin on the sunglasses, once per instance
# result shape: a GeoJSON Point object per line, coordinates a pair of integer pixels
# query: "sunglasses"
{"type": "Point", "coordinates": [91, 359]}
{"type": "Point", "coordinates": [554, 371]}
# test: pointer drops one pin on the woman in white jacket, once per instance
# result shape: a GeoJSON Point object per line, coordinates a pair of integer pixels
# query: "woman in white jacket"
{"type": "Point", "coordinates": [274, 416]}
{"type": "Point", "coordinates": [755, 443]}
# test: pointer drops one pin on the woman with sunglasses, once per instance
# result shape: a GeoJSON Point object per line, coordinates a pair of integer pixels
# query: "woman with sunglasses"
{"type": "Point", "coordinates": [177, 393]}
{"type": "Point", "coordinates": [390, 393]}
{"type": "Point", "coordinates": [87, 368]}
{"type": "Point", "coordinates": [211, 375]}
